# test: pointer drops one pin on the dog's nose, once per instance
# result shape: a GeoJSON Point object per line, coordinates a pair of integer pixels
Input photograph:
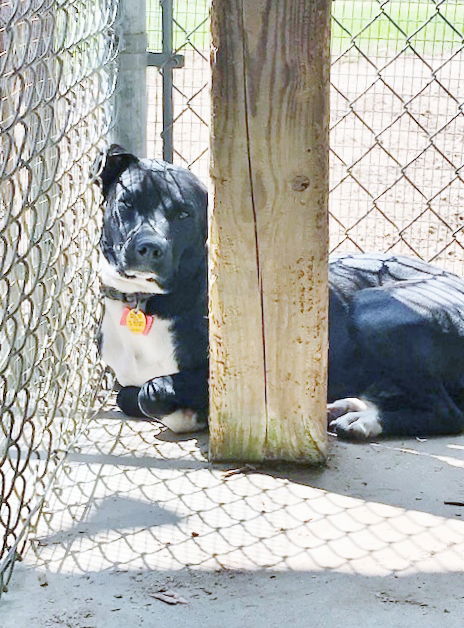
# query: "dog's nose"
{"type": "Point", "coordinates": [149, 251]}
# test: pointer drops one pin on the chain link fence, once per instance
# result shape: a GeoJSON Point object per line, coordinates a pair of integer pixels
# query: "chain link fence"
{"type": "Point", "coordinates": [397, 123]}
{"type": "Point", "coordinates": [190, 91]}
{"type": "Point", "coordinates": [396, 150]}
{"type": "Point", "coordinates": [56, 79]}
{"type": "Point", "coordinates": [397, 128]}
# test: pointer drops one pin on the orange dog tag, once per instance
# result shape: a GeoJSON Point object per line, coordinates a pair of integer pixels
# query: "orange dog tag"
{"type": "Point", "coordinates": [136, 321]}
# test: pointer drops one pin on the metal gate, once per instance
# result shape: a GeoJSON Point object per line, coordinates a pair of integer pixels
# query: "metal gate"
{"type": "Point", "coordinates": [178, 79]}
{"type": "Point", "coordinates": [397, 116]}
{"type": "Point", "coordinates": [167, 60]}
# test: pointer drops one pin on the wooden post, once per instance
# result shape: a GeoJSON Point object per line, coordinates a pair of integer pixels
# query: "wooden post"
{"type": "Point", "coordinates": [268, 230]}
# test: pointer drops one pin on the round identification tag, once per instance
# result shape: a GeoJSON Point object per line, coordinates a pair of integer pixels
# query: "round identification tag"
{"type": "Point", "coordinates": [136, 321]}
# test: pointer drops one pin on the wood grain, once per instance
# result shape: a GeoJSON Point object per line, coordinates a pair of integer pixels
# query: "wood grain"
{"type": "Point", "coordinates": [268, 229]}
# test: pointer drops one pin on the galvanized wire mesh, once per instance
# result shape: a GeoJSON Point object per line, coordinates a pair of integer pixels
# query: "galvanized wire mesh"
{"type": "Point", "coordinates": [397, 125]}
{"type": "Point", "coordinates": [397, 128]}
{"type": "Point", "coordinates": [190, 95]}
{"type": "Point", "coordinates": [56, 69]}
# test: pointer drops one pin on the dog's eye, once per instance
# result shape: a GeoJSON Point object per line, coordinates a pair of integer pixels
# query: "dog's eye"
{"type": "Point", "coordinates": [125, 207]}
{"type": "Point", "coordinates": [183, 214]}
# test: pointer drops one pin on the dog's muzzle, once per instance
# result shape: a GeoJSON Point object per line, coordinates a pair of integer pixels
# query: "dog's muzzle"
{"type": "Point", "coordinates": [149, 253]}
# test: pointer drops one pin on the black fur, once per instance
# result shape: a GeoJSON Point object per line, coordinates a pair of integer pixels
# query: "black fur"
{"type": "Point", "coordinates": [133, 190]}
{"type": "Point", "coordinates": [397, 340]}
{"type": "Point", "coordinates": [396, 324]}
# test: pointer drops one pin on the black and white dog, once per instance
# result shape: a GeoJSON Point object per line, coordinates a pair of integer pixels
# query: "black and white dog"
{"type": "Point", "coordinates": [154, 333]}
{"type": "Point", "coordinates": [396, 358]}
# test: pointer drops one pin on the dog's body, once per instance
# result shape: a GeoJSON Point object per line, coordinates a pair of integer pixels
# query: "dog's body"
{"type": "Point", "coordinates": [396, 359]}
{"type": "Point", "coordinates": [154, 260]}
{"type": "Point", "coordinates": [396, 340]}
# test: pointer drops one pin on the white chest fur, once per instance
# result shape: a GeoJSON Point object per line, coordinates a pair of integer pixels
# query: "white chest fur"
{"type": "Point", "coordinates": [133, 357]}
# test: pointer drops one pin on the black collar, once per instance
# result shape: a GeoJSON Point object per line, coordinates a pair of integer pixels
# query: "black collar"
{"type": "Point", "coordinates": [135, 300]}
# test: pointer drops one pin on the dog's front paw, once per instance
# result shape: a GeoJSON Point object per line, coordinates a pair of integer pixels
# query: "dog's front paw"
{"type": "Point", "coordinates": [361, 425]}
{"type": "Point", "coordinates": [127, 401]}
{"type": "Point", "coordinates": [183, 421]}
{"type": "Point", "coordinates": [157, 397]}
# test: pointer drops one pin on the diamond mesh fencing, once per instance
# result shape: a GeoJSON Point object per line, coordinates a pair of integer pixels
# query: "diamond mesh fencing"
{"type": "Point", "coordinates": [144, 511]}
{"type": "Point", "coordinates": [134, 501]}
{"type": "Point", "coordinates": [397, 128]}
{"type": "Point", "coordinates": [57, 76]}
{"type": "Point", "coordinates": [397, 122]}
{"type": "Point", "coordinates": [190, 92]}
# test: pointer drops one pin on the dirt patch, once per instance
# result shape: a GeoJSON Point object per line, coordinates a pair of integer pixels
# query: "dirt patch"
{"type": "Point", "coordinates": [396, 149]}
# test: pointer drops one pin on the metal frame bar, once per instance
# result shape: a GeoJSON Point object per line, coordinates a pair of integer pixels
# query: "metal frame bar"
{"type": "Point", "coordinates": [167, 15]}
{"type": "Point", "coordinates": [161, 60]}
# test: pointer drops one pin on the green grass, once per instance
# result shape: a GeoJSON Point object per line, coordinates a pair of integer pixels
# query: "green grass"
{"type": "Point", "coordinates": [191, 17]}
{"type": "Point", "coordinates": [376, 26]}
{"type": "Point", "coordinates": [377, 29]}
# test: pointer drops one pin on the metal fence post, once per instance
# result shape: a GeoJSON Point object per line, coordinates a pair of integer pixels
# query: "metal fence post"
{"type": "Point", "coordinates": [168, 105]}
{"type": "Point", "coordinates": [130, 129]}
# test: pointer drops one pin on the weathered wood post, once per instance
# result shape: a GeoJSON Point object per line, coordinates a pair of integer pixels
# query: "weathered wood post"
{"type": "Point", "coordinates": [268, 229]}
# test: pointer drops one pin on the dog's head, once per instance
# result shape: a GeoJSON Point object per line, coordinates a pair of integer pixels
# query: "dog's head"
{"type": "Point", "coordinates": [154, 226]}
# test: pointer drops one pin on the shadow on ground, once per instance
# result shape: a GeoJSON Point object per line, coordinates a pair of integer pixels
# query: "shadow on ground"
{"type": "Point", "coordinates": [367, 540]}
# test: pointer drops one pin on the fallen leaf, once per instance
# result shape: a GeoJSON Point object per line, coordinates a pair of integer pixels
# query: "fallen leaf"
{"type": "Point", "coordinates": [43, 543]}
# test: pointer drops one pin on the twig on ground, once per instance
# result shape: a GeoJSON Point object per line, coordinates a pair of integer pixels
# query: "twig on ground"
{"type": "Point", "coordinates": [248, 468]}
{"type": "Point", "coordinates": [168, 597]}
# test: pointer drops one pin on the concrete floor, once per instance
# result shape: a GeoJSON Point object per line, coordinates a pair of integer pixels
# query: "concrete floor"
{"type": "Point", "coordinates": [366, 541]}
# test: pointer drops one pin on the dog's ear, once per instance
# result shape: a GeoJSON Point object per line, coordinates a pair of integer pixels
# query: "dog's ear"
{"type": "Point", "coordinates": [110, 165]}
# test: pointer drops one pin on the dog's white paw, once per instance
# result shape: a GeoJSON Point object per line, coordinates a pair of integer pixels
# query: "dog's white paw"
{"type": "Point", "coordinates": [361, 425]}
{"type": "Point", "coordinates": [182, 421]}
{"type": "Point", "coordinates": [343, 406]}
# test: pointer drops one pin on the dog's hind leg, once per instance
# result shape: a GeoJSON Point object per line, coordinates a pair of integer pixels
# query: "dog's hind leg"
{"type": "Point", "coordinates": [340, 407]}
{"type": "Point", "coordinates": [354, 418]}
{"type": "Point", "coordinates": [409, 364]}
{"type": "Point", "coordinates": [441, 416]}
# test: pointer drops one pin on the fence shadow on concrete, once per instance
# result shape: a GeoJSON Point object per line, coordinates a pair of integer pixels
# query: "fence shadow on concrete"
{"type": "Point", "coordinates": [137, 510]}
{"type": "Point", "coordinates": [132, 496]}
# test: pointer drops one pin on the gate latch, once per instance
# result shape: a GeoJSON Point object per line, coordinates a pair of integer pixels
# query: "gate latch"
{"type": "Point", "coordinates": [163, 60]}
